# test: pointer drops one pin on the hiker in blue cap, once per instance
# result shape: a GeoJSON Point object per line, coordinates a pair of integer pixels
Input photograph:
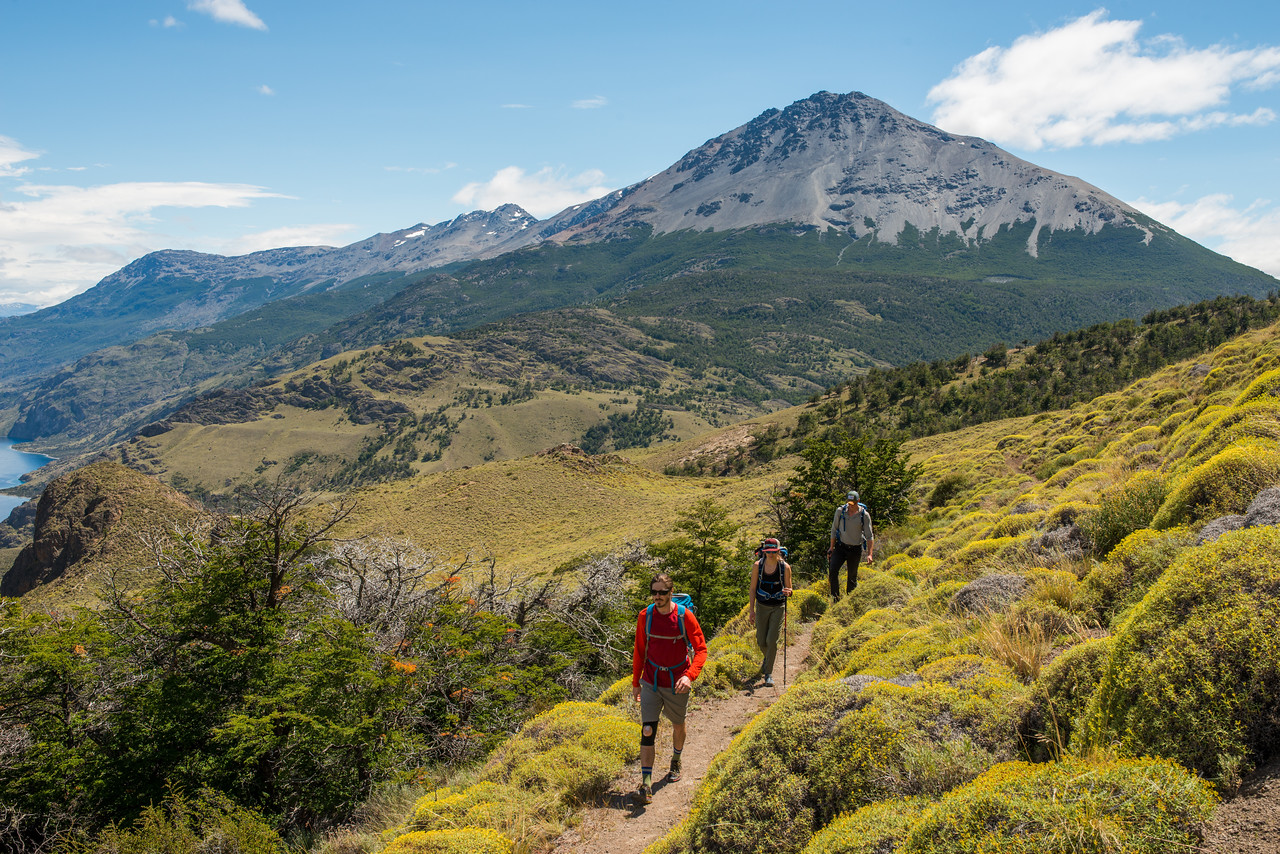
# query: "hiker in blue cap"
{"type": "Point", "coordinates": [850, 531]}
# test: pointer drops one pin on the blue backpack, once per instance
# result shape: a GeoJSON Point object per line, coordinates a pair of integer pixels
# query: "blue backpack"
{"type": "Point", "coordinates": [683, 602]}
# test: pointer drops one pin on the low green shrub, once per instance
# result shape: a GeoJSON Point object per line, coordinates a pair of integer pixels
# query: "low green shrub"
{"type": "Point", "coordinates": [1121, 512]}
{"type": "Point", "coordinates": [948, 487]}
{"type": "Point", "coordinates": [728, 673]}
{"type": "Point", "coordinates": [1194, 674]}
{"type": "Point", "coordinates": [1144, 806]}
{"type": "Point", "coordinates": [833, 656]}
{"type": "Point", "coordinates": [181, 825]}
{"type": "Point", "coordinates": [1129, 570]}
{"type": "Point", "coordinates": [904, 650]}
{"type": "Point", "coordinates": [808, 605]}
{"type": "Point", "coordinates": [1063, 691]}
{"type": "Point", "coordinates": [875, 829]}
{"type": "Point", "coordinates": [875, 590]}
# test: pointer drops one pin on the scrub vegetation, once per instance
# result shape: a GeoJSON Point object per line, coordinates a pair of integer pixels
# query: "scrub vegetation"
{"type": "Point", "coordinates": [1067, 642]}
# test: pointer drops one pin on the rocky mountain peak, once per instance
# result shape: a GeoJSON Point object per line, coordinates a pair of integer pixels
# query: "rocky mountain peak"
{"type": "Point", "coordinates": [853, 163]}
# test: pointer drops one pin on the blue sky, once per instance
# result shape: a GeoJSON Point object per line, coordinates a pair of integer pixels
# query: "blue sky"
{"type": "Point", "coordinates": [230, 126]}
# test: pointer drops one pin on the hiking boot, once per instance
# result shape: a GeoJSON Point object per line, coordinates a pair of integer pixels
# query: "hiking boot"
{"type": "Point", "coordinates": [674, 773]}
{"type": "Point", "coordinates": [644, 794]}
{"type": "Point", "coordinates": [768, 680]}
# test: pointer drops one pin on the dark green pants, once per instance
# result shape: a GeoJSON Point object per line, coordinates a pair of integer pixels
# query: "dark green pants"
{"type": "Point", "coordinates": [768, 627]}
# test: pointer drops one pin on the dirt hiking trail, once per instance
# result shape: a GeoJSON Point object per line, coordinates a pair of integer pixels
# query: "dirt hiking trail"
{"type": "Point", "coordinates": [617, 826]}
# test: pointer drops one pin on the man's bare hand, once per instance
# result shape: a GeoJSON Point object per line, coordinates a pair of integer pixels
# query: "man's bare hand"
{"type": "Point", "coordinates": [683, 685]}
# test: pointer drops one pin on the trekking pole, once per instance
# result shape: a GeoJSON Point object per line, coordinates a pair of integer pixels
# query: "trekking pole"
{"type": "Point", "coordinates": [784, 641]}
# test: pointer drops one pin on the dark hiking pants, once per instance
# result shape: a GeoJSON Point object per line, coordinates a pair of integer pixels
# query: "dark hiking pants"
{"type": "Point", "coordinates": [852, 555]}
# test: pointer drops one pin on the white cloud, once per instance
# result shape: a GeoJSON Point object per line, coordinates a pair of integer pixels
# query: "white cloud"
{"type": "Point", "coordinates": [1250, 235]}
{"type": "Point", "coordinates": [1092, 81]}
{"type": "Point", "coordinates": [591, 103]}
{"type": "Point", "coordinates": [543, 193]}
{"type": "Point", "coordinates": [264, 89]}
{"type": "Point", "coordinates": [517, 107]}
{"type": "Point", "coordinates": [228, 12]}
{"type": "Point", "coordinates": [58, 240]}
{"type": "Point", "coordinates": [325, 234]}
{"type": "Point", "coordinates": [11, 154]}
{"type": "Point", "coordinates": [168, 23]}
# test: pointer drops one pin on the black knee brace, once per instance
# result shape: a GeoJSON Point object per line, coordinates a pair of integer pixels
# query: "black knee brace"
{"type": "Point", "coordinates": [648, 731]}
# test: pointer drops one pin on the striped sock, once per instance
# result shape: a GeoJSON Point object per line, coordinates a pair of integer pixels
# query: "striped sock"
{"type": "Point", "coordinates": [646, 775]}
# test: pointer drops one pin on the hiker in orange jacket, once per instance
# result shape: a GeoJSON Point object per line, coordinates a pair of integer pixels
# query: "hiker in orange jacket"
{"type": "Point", "coordinates": [662, 674]}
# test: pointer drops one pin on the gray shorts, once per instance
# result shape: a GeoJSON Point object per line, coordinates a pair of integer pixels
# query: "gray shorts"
{"type": "Point", "coordinates": [663, 701]}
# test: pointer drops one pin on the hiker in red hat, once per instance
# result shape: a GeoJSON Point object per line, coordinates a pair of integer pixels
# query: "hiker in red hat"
{"type": "Point", "coordinates": [767, 608]}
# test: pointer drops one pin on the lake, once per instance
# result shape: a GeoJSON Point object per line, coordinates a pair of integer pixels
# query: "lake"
{"type": "Point", "coordinates": [13, 465]}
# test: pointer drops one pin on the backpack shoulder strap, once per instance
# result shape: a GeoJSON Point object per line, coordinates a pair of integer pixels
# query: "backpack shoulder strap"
{"type": "Point", "coordinates": [680, 619]}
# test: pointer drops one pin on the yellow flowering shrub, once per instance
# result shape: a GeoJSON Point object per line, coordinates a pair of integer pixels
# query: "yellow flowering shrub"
{"type": "Point", "coordinates": [1255, 419]}
{"type": "Point", "coordinates": [1264, 386]}
{"type": "Point", "coordinates": [466, 840]}
{"type": "Point", "coordinates": [1064, 689]}
{"type": "Point", "coordinates": [1130, 568]}
{"type": "Point", "coordinates": [1014, 524]}
{"type": "Point", "coordinates": [874, 829]}
{"type": "Point", "coordinates": [1222, 485]}
{"type": "Point", "coordinates": [824, 749]}
{"type": "Point", "coordinates": [573, 751]}
{"type": "Point", "coordinates": [968, 670]}
{"type": "Point", "coordinates": [875, 590]}
{"type": "Point", "coordinates": [1194, 674]}
{"type": "Point", "coordinates": [1143, 806]}
{"type": "Point", "coordinates": [903, 650]}
{"type": "Point", "coordinates": [837, 649]}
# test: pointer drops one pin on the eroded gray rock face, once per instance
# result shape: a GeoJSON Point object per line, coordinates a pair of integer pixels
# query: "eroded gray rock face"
{"type": "Point", "coordinates": [1264, 510]}
{"type": "Point", "coordinates": [988, 593]}
{"type": "Point", "coordinates": [1065, 541]}
{"type": "Point", "coordinates": [1218, 527]}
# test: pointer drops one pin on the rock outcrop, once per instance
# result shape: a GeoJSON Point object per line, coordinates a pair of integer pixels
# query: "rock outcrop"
{"type": "Point", "coordinates": [91, 513]}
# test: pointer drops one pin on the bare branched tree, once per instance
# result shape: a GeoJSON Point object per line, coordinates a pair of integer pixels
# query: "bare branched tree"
{"type": "Point", "coordinates": [387, 586]}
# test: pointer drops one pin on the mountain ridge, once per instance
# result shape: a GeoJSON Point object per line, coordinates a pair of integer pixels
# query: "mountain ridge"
{"type": "Point", "coordinates": [841, 161]}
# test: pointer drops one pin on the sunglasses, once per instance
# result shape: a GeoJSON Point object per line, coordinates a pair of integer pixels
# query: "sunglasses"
{"type": "Point", "coordinates": [659, 592]}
